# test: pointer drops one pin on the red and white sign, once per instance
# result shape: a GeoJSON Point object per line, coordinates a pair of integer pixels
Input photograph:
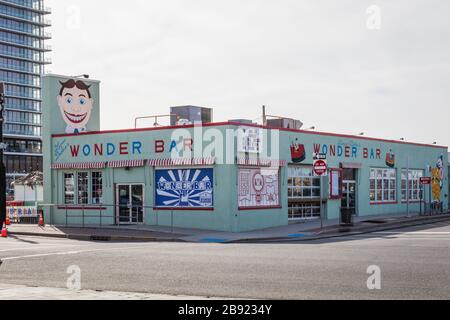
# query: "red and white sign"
{"type": "Point", "coordinates": [320, 166]}
{"type": "Point", "coordinates": [258, 188]}
{"type": "Point", "coordinates": [425, 181]}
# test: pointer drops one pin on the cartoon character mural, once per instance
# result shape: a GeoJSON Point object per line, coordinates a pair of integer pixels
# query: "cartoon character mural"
{"type": "Point", "coordinates": [75, 103]}
{"type": "Point", "coordinates": [298, 153]}
{"type": "Point", "coordinates": [437, 175]}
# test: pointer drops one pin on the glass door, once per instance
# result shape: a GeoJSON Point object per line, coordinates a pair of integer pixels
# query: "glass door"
{"type": "Point", "coordinates": [349, 196]}
{"type": "Point", "coordinates": [137, 201]}
{"type": "Point", "coordinates": [130, 200]}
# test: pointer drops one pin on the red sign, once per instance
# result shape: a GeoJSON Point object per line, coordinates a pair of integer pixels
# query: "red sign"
{"type": "Point", "coordinates": [320, 167]}
{"type": "Point", "coordinates": [425, 180]}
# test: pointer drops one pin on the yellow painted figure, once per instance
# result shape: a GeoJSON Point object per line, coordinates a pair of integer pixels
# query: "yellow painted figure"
{"type": "Point", "coordinates": [436, 184]}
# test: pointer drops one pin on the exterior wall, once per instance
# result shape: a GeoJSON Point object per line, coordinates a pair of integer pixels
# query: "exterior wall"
{"type": "Point", "coordinates": [53, 123]}
{"type": "Point", "coordinates": [226, 216]}
{"type": "Point", "coordinates": [28, 194]}
{"type": "Point", "coordinates": [419, 157]}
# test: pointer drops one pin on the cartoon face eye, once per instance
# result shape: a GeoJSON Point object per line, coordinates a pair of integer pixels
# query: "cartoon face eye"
{"type": "Point", "coordinates": [82, 101]}
{"type": "Point", "coordinates": [69, 100]}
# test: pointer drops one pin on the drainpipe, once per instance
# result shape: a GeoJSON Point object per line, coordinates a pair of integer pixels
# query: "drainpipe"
{"type": "Point", "coordinates": [407, 187]}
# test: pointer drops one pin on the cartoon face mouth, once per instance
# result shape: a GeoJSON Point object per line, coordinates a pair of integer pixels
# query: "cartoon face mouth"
{"type": "Point", "coordinates": [75, 118]}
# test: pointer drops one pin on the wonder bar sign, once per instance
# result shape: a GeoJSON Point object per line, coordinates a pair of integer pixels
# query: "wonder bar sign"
{"type": "Point", "coordinates": [348, 151]}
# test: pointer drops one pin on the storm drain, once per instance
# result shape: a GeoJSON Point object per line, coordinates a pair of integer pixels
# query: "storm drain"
{"type": "Point", "coordinates": [376, 221]}
{"type": "Point", "coordinates": [101, 238]}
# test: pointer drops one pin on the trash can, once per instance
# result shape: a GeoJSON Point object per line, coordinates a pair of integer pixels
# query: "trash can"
{"type": "Point", "coordinates": [346, 217]}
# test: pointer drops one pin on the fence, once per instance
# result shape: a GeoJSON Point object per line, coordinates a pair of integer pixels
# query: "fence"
{"type": "Point", "coordinates": [103, 215]}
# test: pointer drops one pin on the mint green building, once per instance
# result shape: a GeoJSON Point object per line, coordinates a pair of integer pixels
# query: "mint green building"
{"type": "Point", "coordinates": [226, 176]}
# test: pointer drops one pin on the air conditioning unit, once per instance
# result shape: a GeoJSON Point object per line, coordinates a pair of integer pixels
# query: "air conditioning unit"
{"type": "Point", "coordinates": [285, 123]}
{"type": "Point", "coordinates": [192, 114]}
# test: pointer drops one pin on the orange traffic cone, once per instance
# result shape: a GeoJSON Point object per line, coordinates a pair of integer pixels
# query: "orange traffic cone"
{"type": "Point", "coordinates": [7, 221]}
{"type": "Point", "coordinates": [41, 220]}
{"type": "Point", "coordinates": [4, 231]}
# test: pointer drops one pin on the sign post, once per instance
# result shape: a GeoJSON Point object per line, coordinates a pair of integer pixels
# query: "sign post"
{"type": "Point", "coordinates": [2, 165]}
{"type": "Point", "coordinates": [425, 181]}
{"type": "Point", "coordinates": [320, 169]}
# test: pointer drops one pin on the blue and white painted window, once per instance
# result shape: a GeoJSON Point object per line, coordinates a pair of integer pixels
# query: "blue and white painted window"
{"type": "Point", "coordinates": [184, 188]}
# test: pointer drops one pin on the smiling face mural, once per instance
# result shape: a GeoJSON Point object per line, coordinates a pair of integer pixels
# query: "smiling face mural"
{"type": "Point", "coordinates": [75, 103]}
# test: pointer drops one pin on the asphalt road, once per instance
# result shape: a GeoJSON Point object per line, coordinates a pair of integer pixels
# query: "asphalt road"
{"type": "Point", "coordinates": [414, 263]}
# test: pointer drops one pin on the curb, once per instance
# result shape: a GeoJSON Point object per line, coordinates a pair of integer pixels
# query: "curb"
{"type": "Point", "coordinates": [100, 238]}
{"type": "Point", "coordinates": [357, 231]}
{"type": "Point", "coordinates": [318, 236]}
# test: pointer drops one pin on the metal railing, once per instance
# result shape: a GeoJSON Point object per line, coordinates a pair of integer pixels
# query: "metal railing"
{"type": "Point", "coordinates": [107, 216]}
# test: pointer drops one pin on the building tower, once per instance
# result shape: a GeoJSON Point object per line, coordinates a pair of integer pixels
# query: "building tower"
{"type": "Point", "coordinates": [22, 62]}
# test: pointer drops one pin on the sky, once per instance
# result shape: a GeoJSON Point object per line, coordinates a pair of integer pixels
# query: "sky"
{"type": "Point", "coordinates": [348, 66]}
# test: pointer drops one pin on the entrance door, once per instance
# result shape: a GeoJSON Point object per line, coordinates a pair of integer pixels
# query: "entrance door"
{"type": "Point", "coordinates": [130, 201]}
{"type": "Point", "coordinates": [349, 196]}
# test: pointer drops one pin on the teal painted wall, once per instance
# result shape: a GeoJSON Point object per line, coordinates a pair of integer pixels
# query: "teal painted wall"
{"type": "Point", "coordinates": [226, 216]}
{"type": "Point", "coordinates": [54, 123]}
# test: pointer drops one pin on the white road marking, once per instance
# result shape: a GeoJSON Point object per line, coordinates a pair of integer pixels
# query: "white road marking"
{"type": "Point", "coordinates": [68, 253]}
{"type": "Point", "coordinates": [415, 233]}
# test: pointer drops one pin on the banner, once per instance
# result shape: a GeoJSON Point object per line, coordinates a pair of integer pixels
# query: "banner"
{"type": "Point", "coordinates": [22, 212]}
{"type": "Point", "coordinates": [184, 188]}
{"type": "Point", "coordinates": [258, 188]}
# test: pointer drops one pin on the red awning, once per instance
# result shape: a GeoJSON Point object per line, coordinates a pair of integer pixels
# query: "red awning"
{"type": "Point", "coordinates": [208, 161]}
{"type": "Point", "coordinates": [81, 165]}
{"type": "Point", "coordinates": [126, 164]}
{"type": "Point", "coordinates": [261, 162]}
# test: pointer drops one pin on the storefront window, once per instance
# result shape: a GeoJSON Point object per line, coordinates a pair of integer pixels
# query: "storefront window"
{"type": "Point", "coordinates": [303, 193]}
{"type": "Point", "coordinates": [383, 183]}
{"type": "Point", "coordinates": [97, 188]}
{"type": "Point", "coordinates": [413, 188]}
{"type": "Point", "coordinates": [83, 188]}
{"type": "Point", "coordinates": [69, 188]}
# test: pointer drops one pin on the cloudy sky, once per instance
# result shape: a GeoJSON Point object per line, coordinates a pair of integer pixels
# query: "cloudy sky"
{"type": "Point", "coordinates": [317, 61]}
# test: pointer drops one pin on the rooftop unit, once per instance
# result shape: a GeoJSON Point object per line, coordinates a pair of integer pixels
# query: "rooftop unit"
{"type": "Point", "coordinates": [285, 123]}
{"type": "Point", "coordinates": [242, 121]}
{"type": "Point", "coordinates": [189, 115]}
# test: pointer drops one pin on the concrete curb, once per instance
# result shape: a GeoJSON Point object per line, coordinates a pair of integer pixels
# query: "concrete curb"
{"type": "Point", "coordinates": [338, 232]}
{"type": "Point", "coordinates": [93, 237]}
{"type": "Point", "coordinates": [355, 231]}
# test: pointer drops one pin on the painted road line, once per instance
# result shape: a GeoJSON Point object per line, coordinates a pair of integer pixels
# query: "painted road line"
{"type": "Point", "coordinates": [415, 233]}
{"type": "Point", "coordinates": [70, 253]}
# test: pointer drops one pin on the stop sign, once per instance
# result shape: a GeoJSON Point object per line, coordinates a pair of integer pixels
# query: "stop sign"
{"type": "Point", "coordinates": [320, 167]}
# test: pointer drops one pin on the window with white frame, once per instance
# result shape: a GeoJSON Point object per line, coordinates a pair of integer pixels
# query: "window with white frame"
{"type": "Point", "coordinates": [97, 188]}
{"type": "Point", "coordinates": [411, 185]}
{"type": "Point", "coordinates": [383, 185]}
{"type": "Point", "coordinates": [303, 193]}
{"type": "Point", "coordinates": [69, 188]}
{"type": "Point", "coordinates": [83, 188]}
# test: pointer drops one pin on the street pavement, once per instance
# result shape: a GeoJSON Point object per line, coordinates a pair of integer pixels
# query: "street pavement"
{"type": "Point", "coordinates": [414, 264]}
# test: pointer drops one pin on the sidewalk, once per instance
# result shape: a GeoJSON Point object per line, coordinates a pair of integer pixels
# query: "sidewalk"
{"type": "Point", "coordinates": [20, 292]}
{"type": "Point", "coordinates": [301, 231]}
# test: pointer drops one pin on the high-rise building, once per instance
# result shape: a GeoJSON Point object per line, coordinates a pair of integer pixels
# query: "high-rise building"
{"type": "Point", "coordinates": [22, 62]}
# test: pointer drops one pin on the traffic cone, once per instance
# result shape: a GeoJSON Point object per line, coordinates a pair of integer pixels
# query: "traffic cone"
{"type": "Point", "coordinates": [4, 231]}
{"type": "Point", "coordinates": [41, 220]}
{"type": "Point", "coordinates": [7, 221]}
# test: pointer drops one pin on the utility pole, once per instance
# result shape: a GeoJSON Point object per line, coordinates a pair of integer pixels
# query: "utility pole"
{"type": "Point", "coordinates": [264, 116]}
{"type": "Point", "coordinates": [407, 187]}
{"type": "Point", "coordinates": [2, 165]}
